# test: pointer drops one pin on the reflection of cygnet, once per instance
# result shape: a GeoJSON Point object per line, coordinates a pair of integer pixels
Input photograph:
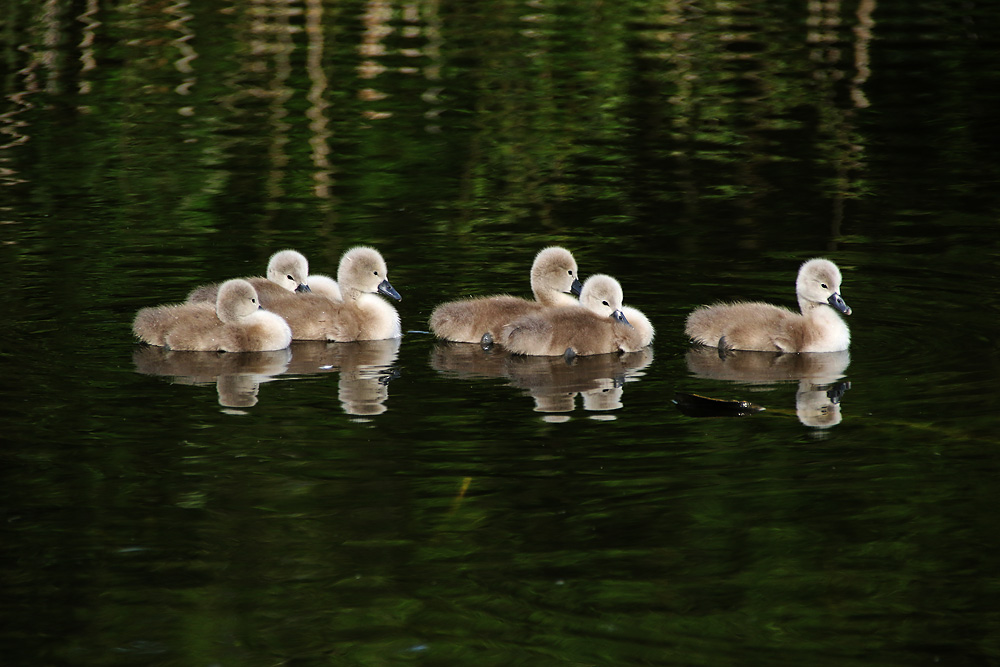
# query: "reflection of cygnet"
{"type": "Point", "coordinates": [767, 367]}
{"type": "Point", "coordinates": [556, 402]}
{"type": "Point", "coordinates": [237, 376]}
{"type": "Point", "coordinates": [552, 382]}
{"type": "Point", "coordinates": [238, 391]}
{"type": "Point", "coordinates": [362, 396]}
{"type": "Point", "coordinates": [818, 406]}
{"type": "Point", "coordinates": [364, 380]}
{"type": "Point", "coordinates": [818, 395]}
{"type": "Point", "coordinates": [364, 370]}
{"type": "Point", "coordinates": [602, 399]}
{"type": "Point", "coordinates": [608, 397]}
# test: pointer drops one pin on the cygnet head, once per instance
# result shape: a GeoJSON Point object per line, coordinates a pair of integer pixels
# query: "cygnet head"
{"type": "Point", "coordinates": [289, 269]}
{"type": "Point", "coordinates": [555, 269]}
{"type": "Point", "coordinates": [362, 270]}
{"type": "Point", "coordinates": [819, 283]}
{"type": "Point", "coordinates": [237, 299]}
{"type": "Point", "coordinates": [603, 295]}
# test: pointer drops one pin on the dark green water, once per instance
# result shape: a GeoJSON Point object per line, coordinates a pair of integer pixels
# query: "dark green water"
{"type": "Point", "coordinates": [416, 502]}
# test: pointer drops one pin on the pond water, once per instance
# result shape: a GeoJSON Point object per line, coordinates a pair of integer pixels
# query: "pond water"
{"type": "Point", "coordinates": [417, 501]}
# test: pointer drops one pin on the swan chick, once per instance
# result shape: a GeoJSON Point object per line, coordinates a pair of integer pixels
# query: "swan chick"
{"type": "Point", "coordinates": [287, 272]}
{"type": "Point", "coordinates": [818, 326]}
{"type": "Point", "coordinates": [234, 323]}
{"type": "Point", "coordinates": [601, 326]}
{"type": "Point", "coordinates": [554, 279]}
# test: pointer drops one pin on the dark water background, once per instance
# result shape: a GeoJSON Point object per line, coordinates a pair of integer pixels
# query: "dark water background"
{"type": "Point", "coordinates": [410, 501]}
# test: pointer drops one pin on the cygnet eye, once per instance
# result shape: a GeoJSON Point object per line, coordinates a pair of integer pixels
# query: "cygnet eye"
{"type": "Point", "coordinates": [289, 276]}
{"type": "Point", "coordinates": [606, 304]}
{"type": "Point", "coordinates": [570, 272]}
{"type": "Point", "coordinates": [253, 300]}
{"type": "Point", "coordinates": [823, 285]}
{"type": "Point", "coordinates": [375, 272]}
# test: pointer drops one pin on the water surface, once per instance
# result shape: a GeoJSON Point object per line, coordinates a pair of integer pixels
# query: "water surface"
{"type": "Point", "coordinates": [418, 501]}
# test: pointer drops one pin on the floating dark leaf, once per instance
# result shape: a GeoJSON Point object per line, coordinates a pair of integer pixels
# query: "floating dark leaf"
{"type": "Point", "coordinates": [694, 405]}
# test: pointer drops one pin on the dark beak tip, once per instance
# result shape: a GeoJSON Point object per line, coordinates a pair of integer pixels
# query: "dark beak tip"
{"type": "Point", "coordinates": [838, 303]}
{"type": "Point", "coordinates": [576, 287]}
{"type": "Point", "coordinates": [386, 288]}
{"type": "Point", "coordinates": [303, 288]}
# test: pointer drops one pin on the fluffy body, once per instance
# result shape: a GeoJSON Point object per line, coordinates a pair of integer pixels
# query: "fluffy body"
{"type": "Point", "coordinates": [768, 328]}
{"type": "Point", "coordinates": [603, 325]}
{"type": "Point", "coordinates": [553, 277]}
{"type": "Point", "coordinates": [235, 323]}
{"type": "Point", "coordinates": [325, 286]}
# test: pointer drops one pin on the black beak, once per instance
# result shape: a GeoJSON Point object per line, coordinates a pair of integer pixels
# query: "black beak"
{"type": "Point", "coordinates": [837, 302]}
{"type": "Point", "coordinates": [385, 288]}
{"type": "Point", "coordinates": [303, 288]}
{"type": "Point", "coordinates": [619, 316]}
{"type": "Point", "coordinates": [576, 287]}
